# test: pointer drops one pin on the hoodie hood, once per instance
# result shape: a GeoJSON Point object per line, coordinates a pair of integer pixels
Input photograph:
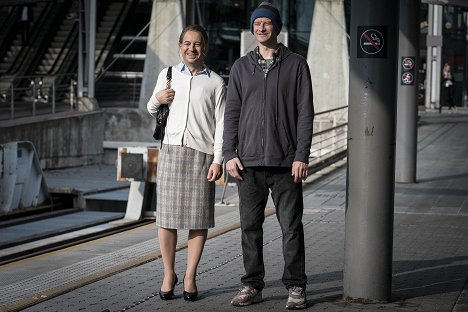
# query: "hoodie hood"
{"type": "Point", "coordinates": [283, 52]}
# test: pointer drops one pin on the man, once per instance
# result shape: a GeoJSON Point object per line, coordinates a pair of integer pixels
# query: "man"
{"type": "Point", "coordinates": [268, 127]}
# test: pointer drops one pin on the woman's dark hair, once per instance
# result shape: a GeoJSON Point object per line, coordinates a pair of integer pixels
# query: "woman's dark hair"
{"type": "Point", "coordinates": [196, 28]}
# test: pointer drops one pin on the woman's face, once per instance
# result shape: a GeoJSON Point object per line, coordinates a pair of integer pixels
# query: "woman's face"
{"type": "Point", "coordinates": [191, 49]}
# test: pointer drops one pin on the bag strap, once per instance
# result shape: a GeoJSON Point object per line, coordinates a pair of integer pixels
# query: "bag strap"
{"type": "Point", "coordinates": [168, 86]}
{"type": "Point", "coordinates": [168, 77]}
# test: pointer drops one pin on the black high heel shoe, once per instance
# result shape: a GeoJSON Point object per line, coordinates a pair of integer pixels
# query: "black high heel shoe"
{"type": "Point", "coordinates": [189, 296]}
{"type": "Point", "coordinates": [167, 295]}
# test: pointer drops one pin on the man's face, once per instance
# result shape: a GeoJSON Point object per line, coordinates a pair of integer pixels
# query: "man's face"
{"type": "Point", "coordinates": [191, 49]}
{"type": "Point", "coordinates": [263, 29]}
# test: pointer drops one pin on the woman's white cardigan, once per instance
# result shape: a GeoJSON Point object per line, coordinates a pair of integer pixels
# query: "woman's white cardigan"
{"type": "Point", "coordinates": [196, 117]}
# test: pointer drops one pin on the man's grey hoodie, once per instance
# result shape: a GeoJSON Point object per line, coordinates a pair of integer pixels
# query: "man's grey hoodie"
{"type": "Point", "coordinates": [268, 119]}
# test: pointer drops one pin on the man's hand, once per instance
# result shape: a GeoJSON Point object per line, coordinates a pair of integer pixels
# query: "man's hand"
{"type": "Point", "coordinates": [215, 172]}
{"type": "Point", "coordinates": [299, 171]}
{"type": "Point", "coordinates": [165, 96]}
{"type": "Point", "coordinates": [234, 167]}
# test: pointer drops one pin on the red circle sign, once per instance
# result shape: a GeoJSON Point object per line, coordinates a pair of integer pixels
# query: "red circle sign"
{"type": "Point", "coordinates": [371, 41]}
{"type": "Point", "coordinates": [407, 78]}
{"type": "Point", "coordinates": [408, 63]}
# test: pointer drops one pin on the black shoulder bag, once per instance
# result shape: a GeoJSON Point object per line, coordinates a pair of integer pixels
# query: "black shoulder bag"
{"type": "Point", "coordinates": [162, 112]}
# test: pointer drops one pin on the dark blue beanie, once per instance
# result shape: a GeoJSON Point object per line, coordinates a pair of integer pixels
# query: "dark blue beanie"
{"type": "Point", "coordinates": [266, 9]}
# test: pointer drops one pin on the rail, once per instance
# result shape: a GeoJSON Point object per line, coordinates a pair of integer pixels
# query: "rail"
{"type": "Point", "coordinates": [329, 142]}
{"type": "Point", "coordinates": [43, 94]}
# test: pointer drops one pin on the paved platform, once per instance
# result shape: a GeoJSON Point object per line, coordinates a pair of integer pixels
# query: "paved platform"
{"type": "Point", "coordinates": [430, 262]}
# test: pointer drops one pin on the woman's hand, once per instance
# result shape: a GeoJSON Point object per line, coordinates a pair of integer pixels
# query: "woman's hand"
{"type": "Point", "coordinates": [215, 172]}
{"type": "Point", "coordinates": [165, 96]}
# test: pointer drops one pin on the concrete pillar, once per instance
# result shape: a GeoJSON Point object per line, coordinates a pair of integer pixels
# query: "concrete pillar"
{"type": "Point", "coordinates": [167, 22]}
{"type": "Point", "coordinates": [371, 151]}
{"type": "Point", "coordinates": [434, 56]}
{"type": "Point", "coordinates": [407, 88]}
{"type": "Point", "coordinates": [328, 55]}
{"type": "Point", "coordinates": [86, 56]}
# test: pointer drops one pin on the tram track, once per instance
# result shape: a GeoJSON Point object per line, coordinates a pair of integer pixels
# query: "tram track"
{"type": "Point", "coordinates": [64, 240]}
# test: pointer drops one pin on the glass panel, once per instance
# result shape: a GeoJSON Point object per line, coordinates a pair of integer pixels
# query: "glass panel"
{"type": "Point", "coordinates": [454, 49]}
{"type": "Point", "coordinates": [299, 25]}
{"type": "Point", "coordinates": [224, 21]}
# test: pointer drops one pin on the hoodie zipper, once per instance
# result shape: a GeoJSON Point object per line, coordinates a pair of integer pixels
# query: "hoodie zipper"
{"type": "Point", "coordinates": [263, 109]}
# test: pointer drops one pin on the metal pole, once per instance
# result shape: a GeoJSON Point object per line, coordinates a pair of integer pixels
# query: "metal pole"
{"type": "Point", "coordinates": [12, 103]}
{"type": "Point", "coordinates": [53, 95]}
{"type": "Point", "coordinates": [371, 151]}
{"type": "Point", "coordinates": [80, 76]}
{"type": "Point", "coordinates": [407, 86]}
{"type": "Point", "coordinates": [224, 188]}
{"type": "Point", "coordinates": [71, 93]}
{"type": "Point", "coordinates": [91, 47]}
{"type": "Point", "coordinates": [86, 47]}
{"type": "Point", "coordinates": [434, 56]}
{"type": "Point", "coordinates": [33, 97]}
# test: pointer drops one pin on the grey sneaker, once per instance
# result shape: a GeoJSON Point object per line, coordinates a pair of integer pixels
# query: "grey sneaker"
{"type": "Point", "coordinates": [296, 299]}
{"type": "Point", "coordinates": [246, 296]}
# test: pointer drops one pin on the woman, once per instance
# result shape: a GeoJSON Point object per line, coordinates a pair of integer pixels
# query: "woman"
{"type": "Point", "coordinates": [447, 87]}
{"type": "Point", "coordinates": [191, 157]}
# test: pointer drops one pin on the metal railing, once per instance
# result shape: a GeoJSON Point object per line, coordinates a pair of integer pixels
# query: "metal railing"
{"type": "Point", "coordinates": [329, 142]}
{"type": "Point", "coordinates": [28, 96]}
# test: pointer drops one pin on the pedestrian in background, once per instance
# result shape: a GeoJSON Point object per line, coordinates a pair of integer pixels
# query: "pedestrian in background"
{"type": "Point", "coordinates": [448, 82]}
{"type": "Point", "coordinates": [268, 125]}
{"type": "Point", "coordinates": [191, 157]}
{"type": "Point", "coordinates": [24, 18]}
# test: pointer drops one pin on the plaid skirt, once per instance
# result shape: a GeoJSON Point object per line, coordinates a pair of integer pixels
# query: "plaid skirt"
{"type": "Point", "coordinates": [185, 198]}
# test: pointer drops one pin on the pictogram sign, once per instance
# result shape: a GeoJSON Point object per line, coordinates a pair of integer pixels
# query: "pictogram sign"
{"type": "Point", "coordinates": [407, 63]}
{"type": "Point", "coordinates": [407, 70]}
{"type": "Point", "coordinates": [372, 42]}
{"type": "Point", "coordinates": [407, 78]}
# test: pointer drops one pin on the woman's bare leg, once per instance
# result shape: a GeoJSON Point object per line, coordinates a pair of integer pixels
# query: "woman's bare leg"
{"type": "Point", "coordinates": [167, 243]}
{"type": "Point", "coordinates": [196, 243]}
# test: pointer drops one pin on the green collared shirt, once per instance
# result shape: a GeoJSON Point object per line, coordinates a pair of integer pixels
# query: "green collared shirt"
{"type": "Point", "coordinates": [266, 64]}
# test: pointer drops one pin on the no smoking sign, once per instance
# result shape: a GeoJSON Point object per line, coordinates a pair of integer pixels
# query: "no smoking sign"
{"type": "Point", "coordinates": [372, 42]}
{"type": "Point", "coordinates": [407, 63]}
